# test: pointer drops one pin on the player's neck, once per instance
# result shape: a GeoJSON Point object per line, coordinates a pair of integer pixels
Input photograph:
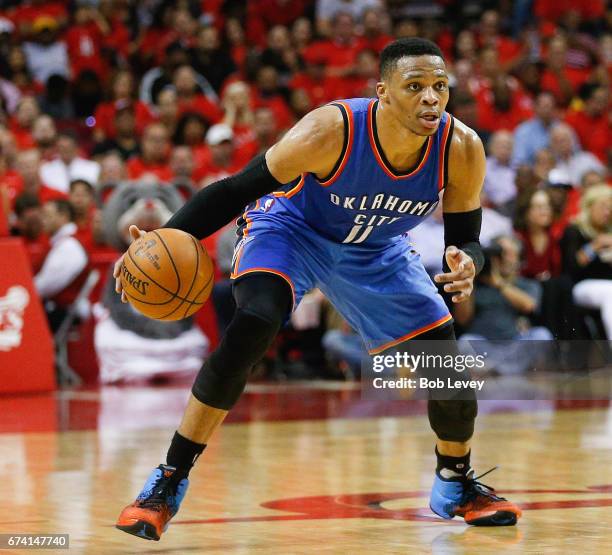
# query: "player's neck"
{"type": "Point", "coordinates": [401, 146]}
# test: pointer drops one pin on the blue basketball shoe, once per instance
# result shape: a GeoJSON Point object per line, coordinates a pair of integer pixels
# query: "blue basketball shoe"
{"type": "Point", "coordinates": [477, 503]}
{"type": "Point", "coordinates": [157, 503]}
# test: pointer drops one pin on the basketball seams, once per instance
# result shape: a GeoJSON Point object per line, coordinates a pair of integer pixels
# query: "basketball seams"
{"type": "Point", "coordinates": [178, 277]}
{"type": "Point", "coordinates": [152, 280]}
{"type": "Point", "coordinates": [195, 274]}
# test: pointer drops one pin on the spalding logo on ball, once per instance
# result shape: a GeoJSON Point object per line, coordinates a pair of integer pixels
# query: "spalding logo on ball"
{"type": "Point", "coordinates": [167, 274]}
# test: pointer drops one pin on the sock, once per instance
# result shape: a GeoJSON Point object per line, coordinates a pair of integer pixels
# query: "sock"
{"type": "Point", "coordinates": [183, 453]}
{"type": "Point", "coordinates": [454, 466]}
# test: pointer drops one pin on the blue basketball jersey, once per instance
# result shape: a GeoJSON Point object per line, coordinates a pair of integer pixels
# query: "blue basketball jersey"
{"type": "Point", "coordinates": [364, 200]}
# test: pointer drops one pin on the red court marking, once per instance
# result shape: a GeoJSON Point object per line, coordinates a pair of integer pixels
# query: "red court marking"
{"type": "Point", "coordinates": [368, 505]}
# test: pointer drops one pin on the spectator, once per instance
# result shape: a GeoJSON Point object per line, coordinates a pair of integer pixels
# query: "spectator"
{"type": "Point", "coordinates": [29, 226]}
{"type": "Point", "coordinates": [280, 53]}
{"type": "Point", "coordinates": [239, 114]}
{"type": "Point", "coordinates": [68, 166]}
{"type": "Point", "coordinates": [124, 140]}
{"type": "Point", "coordinates": [121, 95]}
{"type": "Point", "coordinates": [544, 162]}
{"type": "Point", "coordinates": [570, 159]}
{"type": "Point", "coordinates": [374, 36]}
{"type": "Point", "coordinates": [587, 253]}
{"type": "Point", "coordinates": [112, 169]}
{"type": "Point", "coordinates": [592, 124]}
{"type": "Point", "coordinates": [44, 134]}
{"type": "Point", "coordinates": [167, 109]}
{"type": "Point", "coordinates": [182, 165]}
{"type": "Point", "coordinates": [534, 134]}
{"type": "Point", "coordinates": [224, 159]}
{"type": "Point", "coordinates": [236, 40]}
{"type": "Point", "coordinates": [210, 59]}
{"type": "Point", "coordinates": [301, 34]}
{"type": "Point", "coordinates": [499, 186]}
{"type": "Point", "coordinates": [590, 179]}
{"type": "Point", "coordinates": [508, 51]}
{"type": "Point", "coordinates": [340, 51]}
{"type": "Point", "coordinates": [542, 262]}
{"type": "Point", "coordinates": [85, 39]}
{"type": "Point", "coordinates": [21, 123]}
{"type": "Point", "coordinates": [558, 77]}
{"type": "Point", "coordinates": [191, 131]}
{"type": "Point", "coordinates": [270, 94]}
{"type": "Point", "coordinates": [153, 162]}
{"type": "Point", "coordinates": [48, 54]}
{"type": "Point", "coordinates": [327, 10]}
{"type": "Point", "coordinates": [28, 167]}
{"type": "Point", "coordinates": [502, 106]}
{"type": "Point", "coordinates": [266, 132]}
{"type": "Point", "coordinates": [190, 97]}
{"type": "Point", "coordinates": [56, 101]}
{"type": "Point", "coordinates": [83, 201]}
{"type": "Point", "coordinates": [19, 73]}
{"type": "Point", "coordinates": [86, 94]}
{"type": "Point", "coordinates": [564, 199]}
{"type": "Point", "coordinates": [466, 47]}
{"type": "Point", "coordinates": [498, 309]}
{"type": "Point", "coordinates": [65, 268]}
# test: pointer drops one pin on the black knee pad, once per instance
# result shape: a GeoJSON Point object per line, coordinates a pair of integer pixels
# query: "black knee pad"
{"type": "Point", "coordinates": [453, 420]}
{"type": "Point", "coordinates": [223, 376]}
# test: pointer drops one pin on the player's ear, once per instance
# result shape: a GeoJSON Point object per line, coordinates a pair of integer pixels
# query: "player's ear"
{"type": "Point", "coordinates": [381, 91]}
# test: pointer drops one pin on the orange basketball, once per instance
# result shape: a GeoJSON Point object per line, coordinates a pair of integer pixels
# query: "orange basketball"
{"type": "Point", "coordinates": [167, 274]}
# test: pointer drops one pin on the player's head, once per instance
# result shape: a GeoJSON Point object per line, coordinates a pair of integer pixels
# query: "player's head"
{"type": "Point", "coordinates": [414, 84]}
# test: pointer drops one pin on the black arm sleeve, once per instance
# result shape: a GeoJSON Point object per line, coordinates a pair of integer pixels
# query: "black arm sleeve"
{"type": "Point", "coordinates": [462, 229]}
{"type": "Point", "coordinates": [212, 207]}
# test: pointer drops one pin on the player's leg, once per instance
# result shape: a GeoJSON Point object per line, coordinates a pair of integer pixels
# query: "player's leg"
{"type": "Point", "coordinates": [263, 302]}
{"type": "Point", "coordinates": [391, 301]}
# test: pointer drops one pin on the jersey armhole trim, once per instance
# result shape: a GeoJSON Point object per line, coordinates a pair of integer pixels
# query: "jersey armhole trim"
{"type": "Point", "coordinates": [447, 139]}
{"type": "Point", "coordinates": [347, 116]}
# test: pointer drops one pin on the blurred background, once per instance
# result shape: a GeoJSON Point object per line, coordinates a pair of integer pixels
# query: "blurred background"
{"type": "Point", "coordinates": [115, 112]}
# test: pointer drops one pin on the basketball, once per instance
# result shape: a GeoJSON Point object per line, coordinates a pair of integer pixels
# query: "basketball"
{"type": "Point", "coordinates": [167, 274]}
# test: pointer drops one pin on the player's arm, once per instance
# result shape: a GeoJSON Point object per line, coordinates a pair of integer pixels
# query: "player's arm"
{"type": "Point", "coordinates": [462, 213]}
{"type": "Point", "coordinates": [313, 145]}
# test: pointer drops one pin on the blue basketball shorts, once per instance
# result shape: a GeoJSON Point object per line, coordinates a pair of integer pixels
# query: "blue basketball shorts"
{"type": "Point", "coordinates": [385, 294]}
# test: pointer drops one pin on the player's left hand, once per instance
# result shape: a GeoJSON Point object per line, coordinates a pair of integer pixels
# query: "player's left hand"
{"type": "Point", "coordinates": [461, 277]}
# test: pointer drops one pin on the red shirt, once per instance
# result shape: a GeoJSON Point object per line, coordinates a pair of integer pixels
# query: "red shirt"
{"type": "Point", "coordinates": [137, 167]}
{"type": "Point", "coordinates": [84, 44]}
{"type": "Point", "coordinates": [201, 105]}
{"type": "Point", "coordinates": [37, 250]}
{"type": "Point", "coordinates": [376, 43]}
{"type": "Point", "coordinates": [490, 119]}
{"type": "Point", "coordinates": [576, 77]}
{"type": "Point", "coordinates": [547, 262]}
{"type": "Point", "coordinates": [334, 54]}
{"type": "Point", "coordinates": [321, 91]}
{"type": "Point", "coordinates": [276, 103]}
{"type": "Point", "coordinates": [13, 183]}
{"type": "Point", "coordinates": [554, 9]}
{"type": "Point", "coordinates": [264, 14]}
{"type": "Point", "coordinates": [23, 137]}
{"type": "Point", "coordinates": [105, 117]}
{"type": "Point", "coordinates": [593, 132]}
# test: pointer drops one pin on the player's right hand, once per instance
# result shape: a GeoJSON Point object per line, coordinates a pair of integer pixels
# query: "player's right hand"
{"type": "Point", "coordinates": [135, 234]}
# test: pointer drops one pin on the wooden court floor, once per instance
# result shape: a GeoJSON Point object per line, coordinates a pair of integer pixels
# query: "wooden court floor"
{"type": "Point", "coordinates": [308, 486]}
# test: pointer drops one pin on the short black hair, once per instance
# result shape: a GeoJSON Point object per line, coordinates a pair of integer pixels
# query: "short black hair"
{"type": "Point", "coordinates": [64, 206]}
{"type": "Point", "coordinates": [87, 184]}
{"type": "Point", "coordinates": [411, 46]}
{"type": "Point", "coordinates": [24, 202]}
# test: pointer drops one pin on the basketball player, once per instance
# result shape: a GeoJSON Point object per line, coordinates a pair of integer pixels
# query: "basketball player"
{"type": "Point", "coordinates": [326, 207]}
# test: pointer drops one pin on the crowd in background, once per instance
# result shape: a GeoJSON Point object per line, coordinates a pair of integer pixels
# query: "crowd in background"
{"type": "Point", "coordinates": [98, 92]}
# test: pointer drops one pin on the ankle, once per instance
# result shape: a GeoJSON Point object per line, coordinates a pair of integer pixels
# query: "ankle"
{"type": "Point", "coordinates": [183, 453]}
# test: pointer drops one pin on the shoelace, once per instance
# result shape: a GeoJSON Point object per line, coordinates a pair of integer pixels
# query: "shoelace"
{"type": "Point", "coordinates": [475, 488]}
{"type": "Point", "coordinates": [159, 492]}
